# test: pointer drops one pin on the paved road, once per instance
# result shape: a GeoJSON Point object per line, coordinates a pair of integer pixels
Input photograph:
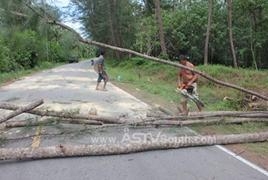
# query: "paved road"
{"type": "Point", "coordinates": [72, 87]}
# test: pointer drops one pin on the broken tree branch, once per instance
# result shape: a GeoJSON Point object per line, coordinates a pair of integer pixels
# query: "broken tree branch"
{"type": "Point", "coordinates": [21, 110]}
{"type": "Point", "coordinates": [90, 42]}
{"type": "Point", "coordinates": [40, 112]}
{"type": "Point", "coordinates": [130, 147]}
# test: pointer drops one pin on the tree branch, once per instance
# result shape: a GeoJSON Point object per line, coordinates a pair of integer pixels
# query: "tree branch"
{"type": "Point", "coordinates": [21, 110]}
{"type": "Point", "coordinates": [65, 115]}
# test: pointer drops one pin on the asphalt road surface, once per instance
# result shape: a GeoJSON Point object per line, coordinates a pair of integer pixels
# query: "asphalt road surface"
{"type": "Point", "coordinates": [72, 88]}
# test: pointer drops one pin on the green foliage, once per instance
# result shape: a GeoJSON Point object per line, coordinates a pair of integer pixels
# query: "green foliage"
{"type": "Point", "coordinates": [132, 24]}
{"type": "Point", "coordinates": [23, 44]}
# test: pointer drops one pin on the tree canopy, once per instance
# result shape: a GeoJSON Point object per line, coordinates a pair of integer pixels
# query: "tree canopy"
{"type": "Point", "coordinates": [132, 24]}
{"type": "Point", "coordinates": [26, 39]}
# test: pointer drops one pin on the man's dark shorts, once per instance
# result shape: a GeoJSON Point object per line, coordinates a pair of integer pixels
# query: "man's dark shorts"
{"type": "Point", "coordinates": [102, 76]}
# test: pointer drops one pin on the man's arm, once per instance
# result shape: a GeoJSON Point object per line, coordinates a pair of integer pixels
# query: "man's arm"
{"type": "Point", "coordinates": [195, 77]}
{"type": "Point", "coordinates": [179, 81]}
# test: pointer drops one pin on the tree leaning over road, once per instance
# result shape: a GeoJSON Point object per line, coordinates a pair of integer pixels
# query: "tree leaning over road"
{"type": "Point", "coordinates": [91, 42]}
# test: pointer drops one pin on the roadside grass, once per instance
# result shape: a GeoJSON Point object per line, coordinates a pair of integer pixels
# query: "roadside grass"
{"type": "Point", "coordinates": [160, 80]}
{"type": "Point", "coordinates": [15, 75]}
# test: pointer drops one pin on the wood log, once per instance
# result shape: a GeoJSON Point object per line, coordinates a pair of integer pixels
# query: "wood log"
{"type": "Point", "coordinates": [52, 21]}
{"type": "Point", "coordinates": [201, 122]}
{"type": "Point", "coordinates": [130, 147]}
{"type": "Point", "coordinates": [239, 114]}
{"type": "Point", "coordinates": [104, 119]}
{"type": "Point", "coordinates": [21, 110]}
{"type": "Point", "coordinates": [23, 123]}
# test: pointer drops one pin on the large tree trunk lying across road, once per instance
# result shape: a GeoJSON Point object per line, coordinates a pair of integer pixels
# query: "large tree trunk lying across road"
{"type": "Point", "coordinates": [203, 115]}
{"type": "Point", "coordinates": [21, 110]}
{"type": "Point", "coordinates": [24, 123]}
{"type": "Point", "coordinates": [162, 120]}
{"type": "Point", "coordinates": [203, 122]}
{"type": "Point", "coordinates": [40, 112]}
{"type": "Point", "coordinates": [131, 147]}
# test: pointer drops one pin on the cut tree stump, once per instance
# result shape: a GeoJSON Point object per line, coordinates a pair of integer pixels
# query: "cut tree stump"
{"type": "Point", "coordinates": [130, 147]}
{"type": "Point", "coordinates": [21, 110]}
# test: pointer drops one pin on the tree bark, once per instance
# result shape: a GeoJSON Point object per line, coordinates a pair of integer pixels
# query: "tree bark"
{"type": "Point", "coordinates": [160, 26]}
{"type": "Point", "coordinates": [39, 112]}
{"type": "Point", "coordinates": [230, 28]}
{"type": "Point", "coordinates": [21, 110]}
{"type": "Point", "coordinates": [53, 22]}
{"type": "Point", "coordinates": [200, 122]}
{"type": "Point", "coordinates": [210, 8]}
{"type": "Point", "coordinates": [239, 114]}
{"type": "Point", "coordinates": [130, 147]}
{"type": "Point", "coordinates": [23, 123]}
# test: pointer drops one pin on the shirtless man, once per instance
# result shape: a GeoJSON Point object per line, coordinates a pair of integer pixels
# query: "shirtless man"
{"type": "Point", "coordinates": [187, 82]}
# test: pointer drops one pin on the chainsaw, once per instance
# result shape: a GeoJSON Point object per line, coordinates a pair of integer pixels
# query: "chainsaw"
{"type": "Point", "coordinates": [188, 94]}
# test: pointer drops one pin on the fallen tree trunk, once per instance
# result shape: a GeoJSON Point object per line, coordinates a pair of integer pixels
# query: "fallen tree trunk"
{"type": "Point", "coordinates": [203, 122]}
{"type": "Point", "coordinates": [130, 147]}
{"type": "Point", "coordinates": [52, 21]}
{"type": "Point", "coordinates": [203, 115]}
{"type": "Point", "coordinates": [21, 110]}
{"type": "Point", "coordinates": [23, 123]}
{"type": "Point", "coordinates": [40, 112]}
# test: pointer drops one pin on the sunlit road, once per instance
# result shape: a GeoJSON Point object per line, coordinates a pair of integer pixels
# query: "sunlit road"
{"type": "Point", "coordinates": [72, 86]}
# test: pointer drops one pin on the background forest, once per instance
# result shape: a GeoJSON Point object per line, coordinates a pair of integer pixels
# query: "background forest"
{"type": "Point", "coordinates": [227, 32]}
{"type": "Point", "coordinates": [232, 33]}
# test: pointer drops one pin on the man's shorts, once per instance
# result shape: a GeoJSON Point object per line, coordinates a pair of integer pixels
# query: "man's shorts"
{"type": "Point", "coordinates": [191, 90]}
{"type": "Point", "coordinates": [103, 76]}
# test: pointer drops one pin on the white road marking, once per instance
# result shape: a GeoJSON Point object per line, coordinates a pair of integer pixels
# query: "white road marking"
{"type": "Point", "coordinates": [250, 164]}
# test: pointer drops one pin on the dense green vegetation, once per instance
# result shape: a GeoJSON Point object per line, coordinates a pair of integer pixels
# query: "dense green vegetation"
{"type": "Point", "coordinates": [27, 41]}
{"type": "Point", "coordinates": [132, 24]}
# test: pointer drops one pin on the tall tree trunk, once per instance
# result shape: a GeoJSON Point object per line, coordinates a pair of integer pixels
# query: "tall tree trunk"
{"type": "Point", "coordinates": [160, 26]}
{"type": "Point", "coordinates": [210, 9]}
{"type": "Point", "coordinates": [253, 30]}
{"type": "Point", "coordinates": [229, 5]}
{"type": "Point", "coordinates": [111, 10]}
